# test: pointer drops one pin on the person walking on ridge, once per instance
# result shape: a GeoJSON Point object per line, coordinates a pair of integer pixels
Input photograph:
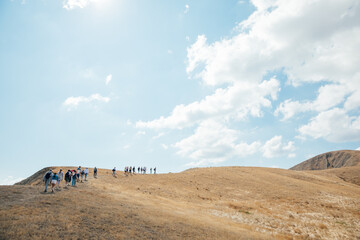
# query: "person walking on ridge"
{"type": "Point", "coordinates": [86, 173]}
{"type": "Point", "coordinates": [95, 172]}
{"type": "Point", "coordinates": [68, 177]}
{"type": "Point", "coordinates": [78, 173]}
{"type": "Point", "coordinates": [47, 178]}
{"type": "Point", "coordinates": [61, 177]}
{"type": "Point", "coordinates": [82, 175]}
{"type": "Point", "coordinates": [54, 180]}
{"type": "Point", "coordinates": [74, 175]}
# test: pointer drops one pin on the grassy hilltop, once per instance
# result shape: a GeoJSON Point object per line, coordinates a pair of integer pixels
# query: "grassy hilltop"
{"type": "Point", "coordinates": [204, 203]}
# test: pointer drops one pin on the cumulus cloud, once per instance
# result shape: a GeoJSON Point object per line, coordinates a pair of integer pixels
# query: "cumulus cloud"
{"type": "Point", "coordinates": [213, 142]}
{"type": "Point", "coordinates": [308, 41]}
{"type": "Point", "coordinates": [237, 101]}
{"type": "Point", "coordinates": [275, 148]}
{"type": "Point", "coordinates": [73, 102]}
{"type": "Point", "coordinates": [329, 96]}
{"type": "Point", "coordinates": [108, 79]}
{"type": "Point", "coordinates": [334, 125]}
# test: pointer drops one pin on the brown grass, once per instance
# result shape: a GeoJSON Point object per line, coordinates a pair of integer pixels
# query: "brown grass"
{"type": "Point", "coordinates": [209, 203]}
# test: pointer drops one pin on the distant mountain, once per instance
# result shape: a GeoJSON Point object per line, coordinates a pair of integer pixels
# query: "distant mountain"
{"type": "Point", "coordinates": [329, 160]}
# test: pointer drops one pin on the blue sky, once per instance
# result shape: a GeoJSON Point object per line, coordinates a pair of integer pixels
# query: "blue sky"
{"type": "Point", "coordinates": [176, 84]}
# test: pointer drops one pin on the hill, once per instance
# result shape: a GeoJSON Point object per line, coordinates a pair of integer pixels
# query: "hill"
{"type": "Point", "coordinates": [204, 203]}
{"type": "Point", "coordinates": [335, 159]}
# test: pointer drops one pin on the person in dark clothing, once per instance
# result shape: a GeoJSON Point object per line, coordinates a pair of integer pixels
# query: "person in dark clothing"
{"type": "Point", "coordinates": [95, 172]}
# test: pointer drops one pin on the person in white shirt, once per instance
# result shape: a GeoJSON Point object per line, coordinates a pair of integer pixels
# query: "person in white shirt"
{"type": "Point", "coordinates": [86, 173]}
{"type": "Point", "coordinates": [61, 177]}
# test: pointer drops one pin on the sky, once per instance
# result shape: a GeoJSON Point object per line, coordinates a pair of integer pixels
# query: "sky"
{"type": "Point", "coordinates": [176, 84]}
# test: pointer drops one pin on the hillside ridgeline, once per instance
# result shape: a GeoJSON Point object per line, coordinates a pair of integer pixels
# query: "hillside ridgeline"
{"type": "Point", "coordinates": [329, 160]}
{"type": "Point", "coordinates": [204, 203]}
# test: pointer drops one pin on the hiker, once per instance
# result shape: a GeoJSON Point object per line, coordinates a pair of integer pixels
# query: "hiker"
{"type": "Point", "coordinates": [68, 177]}
{"type": "Point", "coordinates": [47, 178]}
{"type": "Point", "coordinates": [138, 169]}
{"type": "Point", "coordinates": [82, 175]}
{"type": "Point", "coordinates": [150, 170]}
{"type": "Point", "coordinates": [61, 177]}
{"type": "Point", "coordinates": [114, 169]}
{"type": "Point", "coordinates": [78, 173]}
{"type": "Point", "coordinates": [74, 175]}
{"type": "Point", "coordinates": [154, 170]}
{"type": "Point", "coordinates": [86, 173]}
{"type": "Point", "coordinates": [134, 169]}
{"type": "Point", "coordinates": [95, 172]}
{"type": "Point", "coordinates": [54, 180]}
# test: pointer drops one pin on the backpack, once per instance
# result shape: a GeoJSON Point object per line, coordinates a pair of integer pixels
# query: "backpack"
{"type": "Point", "coordinates": [47, 176]}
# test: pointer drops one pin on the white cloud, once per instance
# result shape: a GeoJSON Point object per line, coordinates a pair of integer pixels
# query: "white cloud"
{"type": "Point", "coordinates": [169, 51]}
{"type": "Point", "coordinates": [10, 180]}
{"type": "Point", "coordinates": [289, 108]}
{"type": "Point", "coordinates": [329, 96]}
{"type": "Point", "coordinates": [71, 4]}
{"type": "Point", "coordinates": [213, 142]}
{"type": "Point", "coordinates": [164, 146]}
{"type": "Point", "coordinates": [334, 125]}
{"type": "Point", "coordinates": [108, 79]}
{"type": "Point", "coordinates": [187, 8]}
{"type": "Point", "coordinates": [73, 102]}
{"type": "Point", "coordinates": [292, 155]}
{"type": "Point", "coordinates": [237, 102]}
{"type": "Point", "coordinates": [358, 149]}
{"type": "Point", "coordinates": [309, 41]}
{"type": "Point", "coordinates": [126, 147]}
{"type": "Point", "coordinates": [275, 147]}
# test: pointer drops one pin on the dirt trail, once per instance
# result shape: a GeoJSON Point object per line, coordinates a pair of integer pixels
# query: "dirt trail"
{"type": "Point", "coordinates": [208, 203]}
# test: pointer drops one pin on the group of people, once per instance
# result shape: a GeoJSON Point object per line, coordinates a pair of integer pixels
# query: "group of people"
{"type": "Point", "coordinates": [72, 176]}
{"type": "Point", "coordinates": [129, 170]}
{"type": "Point", "coordinates": [79, 174]}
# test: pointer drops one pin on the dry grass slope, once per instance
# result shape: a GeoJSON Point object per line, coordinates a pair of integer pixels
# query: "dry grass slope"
{"type": "Point", "coordinates": [207, 203]}
{"type": "Point", "coordinates": [329, 160]}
